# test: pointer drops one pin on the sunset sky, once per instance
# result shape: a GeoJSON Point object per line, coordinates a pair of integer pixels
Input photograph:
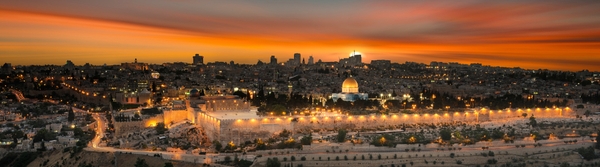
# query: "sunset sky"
{"type": "Point", "coordinates": [558, 35]}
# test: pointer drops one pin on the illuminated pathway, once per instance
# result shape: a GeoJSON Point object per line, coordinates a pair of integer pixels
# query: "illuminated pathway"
{"type": "Point", "coordinates": [99, 130]}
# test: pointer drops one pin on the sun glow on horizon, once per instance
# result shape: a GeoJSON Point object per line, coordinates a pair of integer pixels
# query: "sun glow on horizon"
{"type": "Point", "coordinates": [354, 53]}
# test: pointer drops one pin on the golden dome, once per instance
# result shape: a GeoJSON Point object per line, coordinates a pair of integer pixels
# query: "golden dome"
{"type": "Point", "coordinates": [350, 86]}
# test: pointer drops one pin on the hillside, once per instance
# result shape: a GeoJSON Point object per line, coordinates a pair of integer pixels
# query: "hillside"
{"type": "Point", "coordinates": [63, 159]}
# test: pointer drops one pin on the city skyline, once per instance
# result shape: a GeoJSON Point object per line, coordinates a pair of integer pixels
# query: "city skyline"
{"type": "Point", "coordinates": [556, 36]}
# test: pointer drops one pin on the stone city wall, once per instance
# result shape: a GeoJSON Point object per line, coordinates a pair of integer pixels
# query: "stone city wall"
{"type": "Point", "coordinates": [226, 130]}
{"type": "Point", "coordinates": [174, 116]}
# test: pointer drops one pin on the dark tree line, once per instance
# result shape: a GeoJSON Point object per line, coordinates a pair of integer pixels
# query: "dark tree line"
{"type": "Point", "coordinates": [280, 103]}
{"type": "Point", "coordinates": [591, 98]}
{"type": "Point", "coordinates": [124, 118]}
{"type": "Point", "coordinates": [507, 100]}
{"type": "Point", "coordinates": [555, 75]}
{"type": "Point", "coordinates": [353, 107]}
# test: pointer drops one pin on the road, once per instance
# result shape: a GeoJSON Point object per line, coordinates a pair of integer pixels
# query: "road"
{"type": "Point", "coordinates": [101, 120]}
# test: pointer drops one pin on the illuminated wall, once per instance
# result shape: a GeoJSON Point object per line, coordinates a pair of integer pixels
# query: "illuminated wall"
{"type": "Point", "coordinates": [240, 130]}
{"type": "Point", "coordinates": [122, 128]}
{"type": "Point", "coordinates": [174, 116]}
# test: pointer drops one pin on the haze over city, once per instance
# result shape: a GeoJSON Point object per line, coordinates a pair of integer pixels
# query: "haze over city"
{"type": "Point", "coordinates": [551, 35]}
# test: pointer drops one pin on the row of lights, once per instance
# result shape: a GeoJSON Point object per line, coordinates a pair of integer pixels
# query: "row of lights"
{"type": "Point", "coordinates": [404, 115]}
{"type": "Point", "coordinates": [83, 92]}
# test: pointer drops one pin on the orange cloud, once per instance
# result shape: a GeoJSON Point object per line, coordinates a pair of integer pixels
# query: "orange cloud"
{"type": "Point", "coordinates": [563, 36]}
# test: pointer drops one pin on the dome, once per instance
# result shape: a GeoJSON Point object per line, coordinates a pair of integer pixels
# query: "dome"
{"type": "Point", "coordinates": [350, 83]}
{"type": "Point", "coordinates": [194, 92]}
{"type": "Point", "coordinates": [350, 86]}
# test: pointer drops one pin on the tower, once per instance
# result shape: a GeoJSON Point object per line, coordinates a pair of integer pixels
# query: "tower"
{"type": "Point", "coordinates": [273, 60]}
{"type": "Point", "coordinates": [197, 59]}
{"type": "Point", "coordinates": [297, 58]}
{"type": "Point", "coordinates": [356, 58]}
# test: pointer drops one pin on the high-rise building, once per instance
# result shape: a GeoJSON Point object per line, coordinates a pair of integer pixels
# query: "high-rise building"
{"type": "Point", "coordinates": [273, 60]}
{"type": "Point", "coordinates": [69, 65]}
{"type": "Point", "coordinates": [6, 68]}
{"type": "Point", "coordinates": [311, 60]}
{"type": "Point", "coordinates": [356, 59]}
{"type": "Point", "coordinates": [198, 59]}
{"type": "Point", "coordinates": [297, 58]}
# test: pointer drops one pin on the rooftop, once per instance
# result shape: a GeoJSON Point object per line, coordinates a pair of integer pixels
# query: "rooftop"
{"type": "Point", "coordinates": [234, 114]}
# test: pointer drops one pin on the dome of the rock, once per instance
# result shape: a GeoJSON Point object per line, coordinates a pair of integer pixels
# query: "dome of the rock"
{"type": "Point", "coordinates": [350, 86]}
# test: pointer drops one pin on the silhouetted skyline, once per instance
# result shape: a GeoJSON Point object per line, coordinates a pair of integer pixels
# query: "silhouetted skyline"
{"type": "Point", "coordinates": [531, 35]}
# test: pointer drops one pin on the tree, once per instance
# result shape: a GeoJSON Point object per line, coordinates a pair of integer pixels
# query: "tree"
{"type": "Point", "coordinates": [218, 145]}
{"type": "Point", "coordinates": [240, 94]}
{"type": "Point", "coordinates": [44, 134]}
{"type": "Point", "coordinates": [532, 121]}
{"type": "Point", "coordinates": [141, 163]}
{"type": "Point", "coordinates": [598, 140]}
{"type": "Point", "coordinates": [230, 146]}
{"type": "Point", "coordinates": [71, 115]}
{"type": "Point", "coordinates": [273, 162]}
{"type": "Point", "coordinates": [341, 137]}
{"type": "Point", "coordinates": [587, 153]}
{"type": "Point", "coordinates": [43, 146]}
{"type": "Point", "coordinates": [168, 164]}
{"type": "Point", "coordinates": [587, 113]}
{"type": "Point", "coordinates": [78, 132]}
{"type": "Point", "coordinates": [446, 134]}
{"type": "Point", "coordinates": [160, 128]}
{"type": "Point", "coordinates": [306, 140]}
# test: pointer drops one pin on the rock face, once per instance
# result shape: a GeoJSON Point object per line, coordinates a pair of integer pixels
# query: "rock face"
{"type": "Point", "coordinates": [192, 137]}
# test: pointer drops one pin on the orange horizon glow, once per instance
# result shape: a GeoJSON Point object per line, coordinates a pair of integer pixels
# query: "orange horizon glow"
{"type": "Point", "coordinates": [552, 36]}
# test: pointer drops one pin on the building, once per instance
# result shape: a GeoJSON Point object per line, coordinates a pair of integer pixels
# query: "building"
{"type": "Point", "coordinates": [69, 65]}
{"type": "Point", "coordinates": [349, 91]}
{"type": "Point", "coordinates": [311, 60]}
{"type": "Point", "coordinates": [134, 66]}
{"type": "Point", "coordinates": [355, 59]}
{"type": "Point", "coordinates": [224, 103]}
{"type": "Point", "coordinates": [297, 58]}
{"type": "Point", "coordinates": [134, 97]}
{"type": "Point", "coordinates": [273, 60]}
{"type": "Point", "coordinates": [198, 60]}
{"type": "Point", "coordinates": [381, 64]}
{"type": "Point", "coordinates": [6, 68]}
